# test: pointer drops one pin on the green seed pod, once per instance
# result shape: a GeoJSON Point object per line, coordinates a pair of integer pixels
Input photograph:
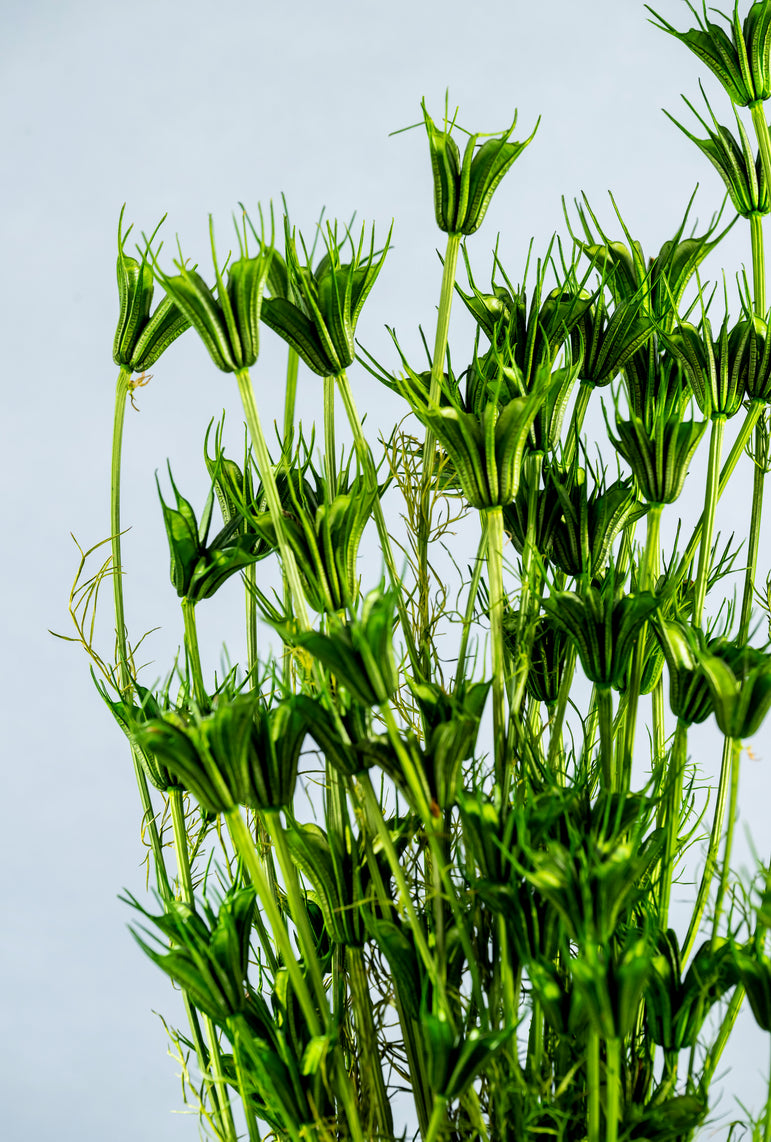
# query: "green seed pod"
{"type": "Point", "coordinates": [462, 190]}
{"type": "Point", "coordinates": [604, 623]}
{"type": "Point", "coordinates": [757, 361]}
{"type": "Point", "coordinates": [607, 343]}
{"type": "Point", "coordinates": [589, 521]}
{"type": "Point", "coordinates": [716, 368]}
{"type": "Point", "coordinates": [140, 338]}
{"type": "Point", "coordinates": [740, 168]}
{"type": "Point", "coordinates": [754, 971]}
{"type": "Point", "coordinates": [740, 62]}
{"type": "Point", "coordinates": [659, 449]}
{"type": "Point", "coordinates": [318, 312]}
{"type": "Point", "coordinates": [739, 679]}
{"type": "Point", "coordinates": [689, 694]}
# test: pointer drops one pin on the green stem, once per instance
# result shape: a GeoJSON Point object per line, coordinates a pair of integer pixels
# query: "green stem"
{"type": "Point", "coordinates": [767, 1122]}
{"type": "Point", "coordinates": [753, 415]}
{"type": "Point", "coordinates": [330, 455]}
{"type": "Point", "coordinates": [471, 604]}
{"type": "Point", "coordinates": [495, 574]}
{"type": "Point", "coordinates": [437, 371]}
{"type": "Point", "coordinates": [593, 1086]}
{"type": "Point", "coordinates": [226, 1124]}
{"type": "Point", "coordinates": [710, 503]}
{"type": "Point", "coordinates": [670, 818]}
{"type": "Point", "coordinates": [245, 846]}
{"type": "Point", "coordinates": [264, 466]}
{"type": "Point", "coordinates": [530, 581]}
{"type": "Point", "coordinates": [297, 909]}
{"type": "Point", "coordinates": [576, 422]}
{"type": "Point", "coordinates": [566, 684]}
{"type": "Point", "coordinates": [193, 654]}
{"type": "Point", "coordinates": [712, 849]}
{"type": "Point", "coordinates": [647, 576]}
{"type": "Point", "coordinates": [290, 395]}
{"type": "Point", "coordinates": [612, 1088]}
{"type": "Point", "coordinates": [758, 265]}
{"type": "Point", "coordinates": [438, 1116]}
{"type": "Point", "coordinates": [753, 544]}
{"type": "Point", "coordinates": [605, 718]}
{"type": "Point", "coordinates": [122, 389]}
{"type": "Point", "coordinates": [736, 752]}
{"type": "Point", "coordinates": [252, 657]}
{"type": "Point", "coordinates": [374, 1093]}
{"type": "Point", "coordinates": [368, 465]}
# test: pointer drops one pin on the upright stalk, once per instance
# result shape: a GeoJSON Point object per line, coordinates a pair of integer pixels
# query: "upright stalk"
{"type": "Point", "coordinates": [710, 504]}
{"type": "Point", "coordinates": [265, 469]}
{"type": "Point", "coordinates": [495, 573]}
{"type": "Point", "coordinates": [648, 572]}
{"type": "Point", "coordinates": [670, 818]}
{"type": "Point", "coordinates": [330, 455]}
{"type": "Point", "coordinates": [710, 864]}
{"type": "Point", "coordinates": [424, 519]}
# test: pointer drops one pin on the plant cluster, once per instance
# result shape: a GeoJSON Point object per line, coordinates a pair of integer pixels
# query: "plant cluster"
{"type": "Point", "coordinates": [478, 916]}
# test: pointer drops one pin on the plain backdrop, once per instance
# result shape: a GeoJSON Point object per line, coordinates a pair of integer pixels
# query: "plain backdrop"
{"type": "Point", "coordinates": [188, 109]}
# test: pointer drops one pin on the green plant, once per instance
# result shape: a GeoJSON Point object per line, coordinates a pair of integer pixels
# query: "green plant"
{"type": "Point", "coordinates": [481, 913]}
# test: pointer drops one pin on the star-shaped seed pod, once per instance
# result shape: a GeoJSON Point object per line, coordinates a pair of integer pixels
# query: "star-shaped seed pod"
{"type": "Point", "coordinates": [227, 319]}
{"type": "Point", "coordinates": [658, 446]}
{"type": "Point", "coordinates": [463, 188]}
{"type": "Point", "coordinates": [689, 694]}
{"type": "Point", "coordinates": [316, 310]}
{"type": "Point", "coordinates": [245, 752]}
{"type": "Point", "coordinates": [740, 168]}
{"type": "Point", "coordinates": [741, 61]}
{"type": "Point", "coordinates": [739, 679]}
{"type": "Point", "coordinates": [715, 367]}
{"type": "Point", "coordinates": [141, 337]}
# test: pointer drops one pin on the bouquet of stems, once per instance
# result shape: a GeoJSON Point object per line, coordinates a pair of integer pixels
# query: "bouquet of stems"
{"type": "Point", "coordinates": [475, 914]}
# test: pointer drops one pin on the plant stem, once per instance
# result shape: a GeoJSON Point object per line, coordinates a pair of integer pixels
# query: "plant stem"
{"type": "Point", "coordinates": [495, 573]}
{"type": "Point", "coordinates": [612, 1088]}
{"type": "Point", "coordinates": [438, 1115]}
{"type": "Point", "coordinates": [374, 1093]}
{"type": "Point", "coordinates": [648, 571]}
{"type": "Point", "coordinates": [290, 395]}
{"type": "Point", "coordinates": [593, 1086]}
{"type": "Point", "coordinates": [758, 264]}
{"type": "Point", "coordinates": [670, 818]}
{"type": "Point", "coordinates": [245, 846]}
{"type": "Point", "coordinates": [605, 718]}
{"type": "Point", "coordinates": [471, 603]}
{"type": "Point", "coordinates": [194, 655]}
{"type": "Point", "coordinates": [736, 752]}
{"type": "Point", "coordinates": [368, 465]}
{"type": "Point", "coordinates": [753, 544]}
{"type": "Point", "coordinates": [714, 842]}
{"type": "Point", "coordinates": [330, 455]}
{"type": "Point", "coordinates": [262, 456]}
{"type": "Point", "coordinates": [424, 520]}
{"type": "Point", "coordinates": [710, 503]}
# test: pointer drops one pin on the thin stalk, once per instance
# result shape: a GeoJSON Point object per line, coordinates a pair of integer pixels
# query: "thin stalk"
{"type": "Point", "coordinates": [437, 370]}
{"type": "Point", "coordinates": [648, 571]}
{"type": "Point", "coordinates": [290, 395]}
{"type": "Point", "coordinates": [122, 389]}
{"type": "Point", "coordinates": [225, 1123]}
{"type": "Point", "coordinates": [714, 843]}
{"type": "Point", "coordinates": [262, 456]}
{"type": "Point", "coordinates": [471, 604]}
{"type": "Point", "coordinates": [767, 1122]}
{"type": "Point", "coordinates": [605, 718]}
{"type": "Point", "coordinates": [576, 422]}
{"type": "Point", "coordinates": [736, 752]}
{"type": "Point", "coordinates": [194, 655]}
{"type": "Point", "coordinates": [495, 574]}
{"type": "Point", "coordinates": [710, 503]}
{"type": "Point", "coordinates": [764, 144]}
{"type": "Point", "coordinates": [368, 465]}
{"type": "Point", "coordinates": [438, 1116]}
{"type": "Point", "coordinates": [754, 413]}
{"type": "Point", "coordinates": [238, 1025]}
{"type": "Point", "coordinates": [374, 1092]}
{"type": "Point", "coordinates": [671, 818]}
{"type": "Point", "coordinates": [330, 455]}
{"type": "Point", "coordinates": [563, 694]}
{"type": "Point", "coordinates": [297, 909]}
{"type": "Point", "coordinates": [245, 846]}
{"type": "Point", "coordinates": [529, 596]}
{"type": "Point", "coordinates": [753, 544]}
{"type": "Point", "coordinates": [252, 657]}
{"type": "Point", "coordinates": [758, 264]}
{"type": "Point", "coordinates": [593, 1086]}
{"type": "Point", "coordinates": [612, 1088]}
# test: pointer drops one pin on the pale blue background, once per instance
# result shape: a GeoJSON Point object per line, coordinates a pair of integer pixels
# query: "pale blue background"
{"type": "Point", "coordinates": [189, 108]}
